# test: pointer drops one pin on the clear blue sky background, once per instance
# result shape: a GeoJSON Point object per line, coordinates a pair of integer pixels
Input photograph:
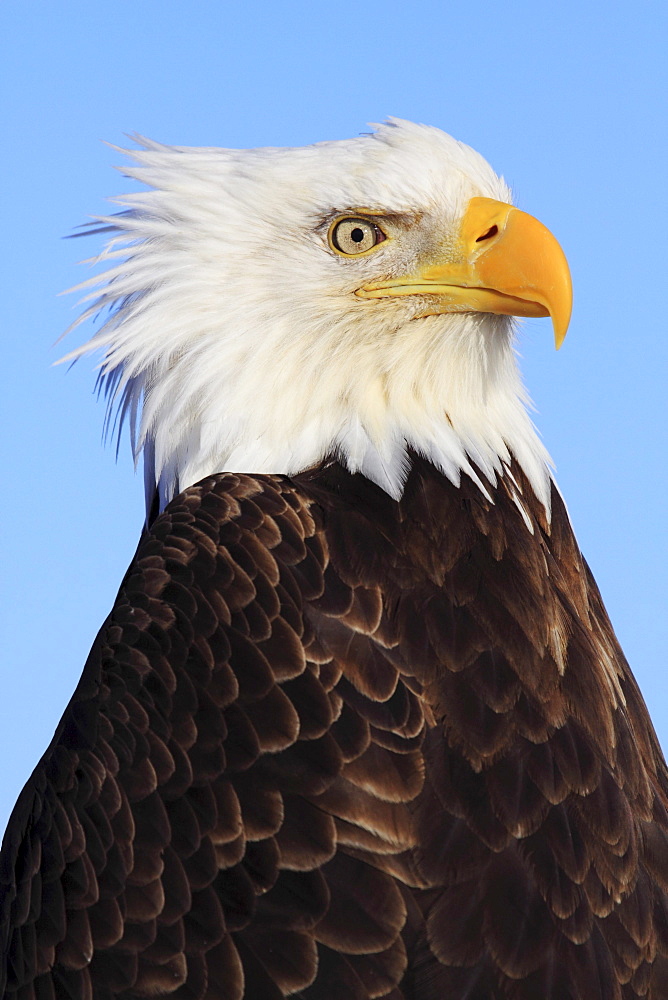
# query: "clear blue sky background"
{"type": "Point", "coordinates": [567, 100]}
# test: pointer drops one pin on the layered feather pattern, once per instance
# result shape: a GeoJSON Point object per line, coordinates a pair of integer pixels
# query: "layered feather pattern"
{"type": "Point", "coordinates": [335, 746]}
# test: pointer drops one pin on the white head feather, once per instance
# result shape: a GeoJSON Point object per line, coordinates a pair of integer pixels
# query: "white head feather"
{"type": "Point", "coordinates": [236, 342]}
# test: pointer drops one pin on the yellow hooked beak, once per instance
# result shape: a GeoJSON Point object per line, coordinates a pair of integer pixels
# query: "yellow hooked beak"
{"type": "Point", "coordinates": [503, 261]}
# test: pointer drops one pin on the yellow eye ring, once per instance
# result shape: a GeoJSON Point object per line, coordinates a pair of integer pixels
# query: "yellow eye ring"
{"type": "Point", "coordinates": [353, 236]}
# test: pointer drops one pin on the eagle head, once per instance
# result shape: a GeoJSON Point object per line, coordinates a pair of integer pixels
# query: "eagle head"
{"type": "Point", "coordinates": [272, 308]}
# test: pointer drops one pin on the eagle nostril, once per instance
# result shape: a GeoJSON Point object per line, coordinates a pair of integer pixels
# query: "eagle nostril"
{"type": "Point", "coordinates": [492, 231]}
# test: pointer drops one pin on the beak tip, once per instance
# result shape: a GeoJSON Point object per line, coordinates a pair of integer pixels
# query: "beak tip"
{"type": "Point", "coordinates": [560, 324]}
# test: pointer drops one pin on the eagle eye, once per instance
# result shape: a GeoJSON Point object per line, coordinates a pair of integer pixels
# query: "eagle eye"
{"type": "Point", "coordinates": [353, 236]}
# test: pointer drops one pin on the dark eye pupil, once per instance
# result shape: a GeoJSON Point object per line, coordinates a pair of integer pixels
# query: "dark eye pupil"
{"type": "Point", "coordinates": [357, 235]}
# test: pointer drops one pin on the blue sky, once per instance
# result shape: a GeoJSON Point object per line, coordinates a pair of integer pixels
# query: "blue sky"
{"type": "Point", "coordinates": [567, 101]}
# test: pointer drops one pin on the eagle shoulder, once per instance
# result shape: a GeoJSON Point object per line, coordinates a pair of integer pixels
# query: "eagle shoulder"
{"type": "Point", "coordinates": [180, 834]}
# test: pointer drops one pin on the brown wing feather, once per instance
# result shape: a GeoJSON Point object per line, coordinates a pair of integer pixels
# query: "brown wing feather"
{"type": "Point", "coordinates": [173, 840]}
{"type": "Point", "coordinates": [332, 745]}
{"type": "Point", "coordinates": [542, 846]}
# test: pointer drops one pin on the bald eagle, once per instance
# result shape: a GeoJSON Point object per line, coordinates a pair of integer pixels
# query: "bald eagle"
{"type": "Point", "coordinates": [358, 725]}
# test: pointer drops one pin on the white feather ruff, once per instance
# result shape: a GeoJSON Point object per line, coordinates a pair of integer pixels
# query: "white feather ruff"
{"type": "Point", "coordinates": [236, 342]}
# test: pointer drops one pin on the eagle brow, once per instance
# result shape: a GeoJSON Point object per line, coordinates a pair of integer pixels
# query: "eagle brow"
{"type": "Point", "coordinates": [400, 219]}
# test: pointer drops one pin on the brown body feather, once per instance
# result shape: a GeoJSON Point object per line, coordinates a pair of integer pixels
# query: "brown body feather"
{"type": "Point", "coordinates": [337, 747]}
